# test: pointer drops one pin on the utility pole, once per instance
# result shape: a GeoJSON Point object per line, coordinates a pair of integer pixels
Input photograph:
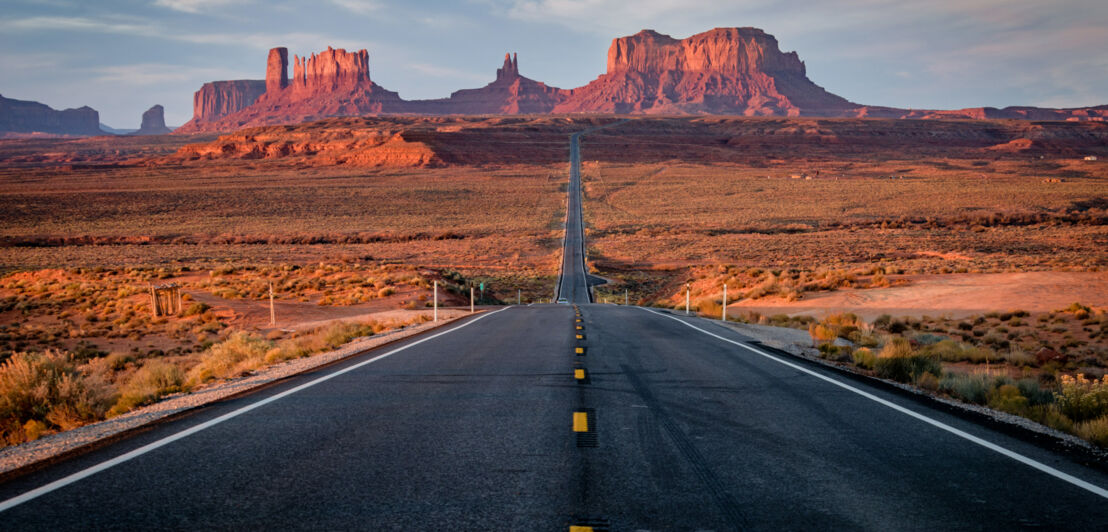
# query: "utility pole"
{"type": "Point", "coordinates": [687, 288]}
{"type": "Point", "coordinates": [436, 303]}
{"type": "Point", "coordinates": [471, 300]}
{"type": "Point", "coordinates": [724, 318]}
{"type": "Point", "coordinates": [272, 312]}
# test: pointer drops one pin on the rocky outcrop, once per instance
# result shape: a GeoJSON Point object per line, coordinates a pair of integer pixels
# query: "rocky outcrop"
{"type": "Point", "coordinates": [22, 116]}
{"type": "Point", "coordinates": [722, 71]}
{"type": "Point", "coordinates": [277, 70]}
{"type": "Point", "coordinates": [510, 93]}
{"type": "Point", "coordinates": [329, 72]}
{"type": "Point", "coordinates": [218, 99]}
{"type": "Point", "coordinates": [332, 83]}
{"type": "Point", "coordinates": [153, 122]}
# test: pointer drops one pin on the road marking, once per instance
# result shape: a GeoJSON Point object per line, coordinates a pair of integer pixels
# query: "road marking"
{"type": "Point", "coordinates": [579, 374]}
{"type": "Point", "coordinates": [575, 528]}
{"type": "Point", "coordinates": [85, 473]}
{"type": "Point", "coordinates": [933, 422]}
{"type": "Point", "coordinates": [580, 337]}
{"type": "Point", "coordinates": [579, 350]}
{"type": "Point", "coordinates": [580, 328]}
{"type": "Point", "coordinates": [580, 422]}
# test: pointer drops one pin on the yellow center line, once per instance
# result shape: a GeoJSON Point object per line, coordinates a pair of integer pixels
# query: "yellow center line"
{"type": "Point", "coordinates": [575, 528]}
{"type": "Point", "coordinates": [580, 337]}
{"type": "Point", "coordinates": [580, 422]}
{"type": "Point", "coordinates": [579, 350]}
{"type": "Point", "coordinates": [580, 328]}
{"type": "Point", "coordinates": [579, 374]}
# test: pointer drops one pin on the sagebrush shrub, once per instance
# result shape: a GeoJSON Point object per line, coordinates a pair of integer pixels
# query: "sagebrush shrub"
{"type": "Point", "coordinates": [47, 388]}
{"type": "Point", "coordinates": [1083, 399]}
{"type": "Point", "coordinates": [897, 361]}
{"type": "Point", "coordinates": [155, 379]}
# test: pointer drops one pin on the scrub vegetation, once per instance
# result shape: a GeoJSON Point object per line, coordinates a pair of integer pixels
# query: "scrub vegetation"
{"type": "Point", "coordinates": [1051, 368]}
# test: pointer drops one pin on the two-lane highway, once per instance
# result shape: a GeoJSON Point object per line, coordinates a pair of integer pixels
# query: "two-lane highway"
{"type": "Point", "coordinates": [553, 417]}
{"type": "Point", "coordinates": [573, 283]}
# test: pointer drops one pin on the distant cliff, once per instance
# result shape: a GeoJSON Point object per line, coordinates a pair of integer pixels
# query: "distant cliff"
{"type": "Point", "coordinates": [20, 116]}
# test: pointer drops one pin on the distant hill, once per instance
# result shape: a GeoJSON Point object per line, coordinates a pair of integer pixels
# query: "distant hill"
{"type": "Point", "coordinates": [27, 117]}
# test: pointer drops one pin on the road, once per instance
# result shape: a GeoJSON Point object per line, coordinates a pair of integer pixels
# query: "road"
{"type": "Point", "coordinates": [573, 283]}
{"type": "Point", "coordinates": [554, 416]}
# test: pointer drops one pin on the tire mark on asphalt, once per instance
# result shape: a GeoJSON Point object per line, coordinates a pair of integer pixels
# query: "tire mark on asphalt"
{"type": "Point", "coordinates": [727, 505]}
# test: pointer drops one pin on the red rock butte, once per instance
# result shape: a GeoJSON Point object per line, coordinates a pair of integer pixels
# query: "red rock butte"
{"type": "Point", "coordinates": [724, 71]}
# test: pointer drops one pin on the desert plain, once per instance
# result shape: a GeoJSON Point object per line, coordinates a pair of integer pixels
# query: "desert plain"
{"type": "Point", "coordinates": [937, 227]}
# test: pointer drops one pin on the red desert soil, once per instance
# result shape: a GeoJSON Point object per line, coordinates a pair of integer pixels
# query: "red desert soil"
{"type": "Point", "coordinates": [295, 315]}
{"type": "Point", "coordinates": [953, 295]}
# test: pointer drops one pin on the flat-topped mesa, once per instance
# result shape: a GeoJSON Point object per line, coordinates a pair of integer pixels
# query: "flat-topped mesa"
{"type": "Point", "coordinates": [730, 51]}
{"type": "Point", "coordinates": [277, 70]}
{"type": "Point", "coordinates": [217, 99]}
{"type": "Point", "coordinates": [510, 70]}
{"type": "Point", "coordinates": [721, 71]}
{"type": "Point", "coordinates": [329, 71]}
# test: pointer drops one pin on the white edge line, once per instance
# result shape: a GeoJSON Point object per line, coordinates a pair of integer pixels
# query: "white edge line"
{"type": "Point", "coordinates": [962, 434]}
{"type": "Point", "coordinates": [85, 473]}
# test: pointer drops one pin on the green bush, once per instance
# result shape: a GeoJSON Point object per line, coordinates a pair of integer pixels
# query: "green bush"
{"type": "Point", "coordinates": [1008, 399]}
{"type": "Point", "coordinates": [864, 358]}
{"type": "Point", "coordinates": [1083, 399]}
{"type": "Point", "coordinates": [1094, 430]}
{"type": "Point", "coordinates": [152, 381]}
{"type": "Point", "coordinates": [898, 362]}
{"type": "Point", "coordinates": [969, 388]}
{"type": "Point", "coordinates": [196, 308]}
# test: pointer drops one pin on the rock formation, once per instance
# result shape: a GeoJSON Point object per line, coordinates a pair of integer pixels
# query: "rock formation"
{"type": "Point", "coordinates": [218, 99]}
{"type": "Point", "coordinates": [722, 71]}
{"type": "Point", "coordinates": [510, 93]}
{"type": "Point", "coordinates": [21, 116]}
{"type": "Point", "coordinates": [153, 122]}
{"type": "Point", "coordinates": [333, 83]}
{"type": "Point", "coordinates": [728, 71]}
{"type": "Point", "coordinates": [277, 70]}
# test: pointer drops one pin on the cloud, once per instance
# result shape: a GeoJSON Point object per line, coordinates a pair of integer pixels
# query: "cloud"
{"type": "Point", "coordinates": [306, 42]}
{"type": "Point", "coordinates": [446, 72]}
{"type": "Point", "coordinates": [195, 6]}
{"type": "Point", "coordinates": [65, 24]}
{"type": "Point", "coordinates": [359, 7]}
{"type": "Point", "coordinates": [145, 74]}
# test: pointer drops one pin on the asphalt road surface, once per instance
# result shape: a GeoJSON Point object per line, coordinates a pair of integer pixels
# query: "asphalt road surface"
{"type": "Point", "coordinates": [551, 417]}
{"type": "Point", "coordinates": [573, 284]}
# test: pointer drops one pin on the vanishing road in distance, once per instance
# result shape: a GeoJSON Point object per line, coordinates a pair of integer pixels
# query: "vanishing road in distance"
{"type": "Point", "coordinates": [565, 417]}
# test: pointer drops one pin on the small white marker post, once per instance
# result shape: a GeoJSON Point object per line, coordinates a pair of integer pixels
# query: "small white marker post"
{"type": "Point", "coordinates": [436, 304]}
{"type": "Point", "coordinates": [625, 298]}
{"type": "Point", "coordinates": [724, 318]}
{"type": "Point", "coordinates": [471, 300]}
{"type": "Point", "coordinates": [687, 288]}
{"type": "Point", "coordinates": [519, 296]}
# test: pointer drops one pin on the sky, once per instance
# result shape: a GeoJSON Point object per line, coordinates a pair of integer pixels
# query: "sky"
{"type": "Point", "coordinates": [120, 57]}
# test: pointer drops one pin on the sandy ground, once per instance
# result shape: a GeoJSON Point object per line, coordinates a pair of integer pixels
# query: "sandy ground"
{"type": "Point", "coordinates": [295, 315]}
{"type": "Point", "coordinates": [953, 295]}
